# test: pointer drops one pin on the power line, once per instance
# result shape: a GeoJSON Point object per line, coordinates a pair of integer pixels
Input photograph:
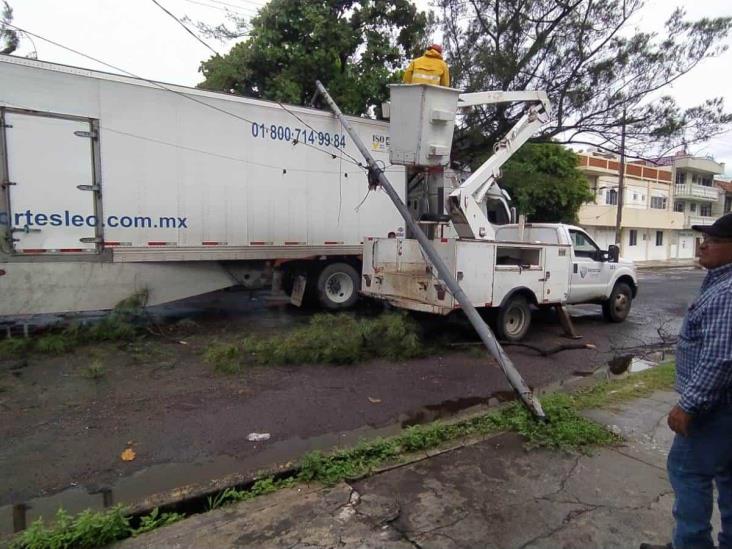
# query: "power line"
{"type": "Point", "coordinates": [189, 31]}
{"type": "Point", "coordinates": [162, 87]}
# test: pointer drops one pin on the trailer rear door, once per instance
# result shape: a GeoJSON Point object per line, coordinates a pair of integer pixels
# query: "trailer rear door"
{"type": "Point", "coordinates": [52, 195]}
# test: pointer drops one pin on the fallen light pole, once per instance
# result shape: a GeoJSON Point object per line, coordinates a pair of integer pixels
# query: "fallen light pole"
{"type": "Point", "coordinates": [484, 332]}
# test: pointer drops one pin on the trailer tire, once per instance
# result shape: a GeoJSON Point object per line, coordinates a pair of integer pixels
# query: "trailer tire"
{"type": "Point", "coordinates": [513, 319]}
{"type": "Point", "coordinates": [617, 307]}
{"type": "Point", "coordinates": [337, 287]}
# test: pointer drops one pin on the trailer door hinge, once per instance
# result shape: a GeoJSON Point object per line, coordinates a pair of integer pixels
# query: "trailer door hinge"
{"type": "Point", "coordinates": [2, 125]}
{"type": "Point", "coordinates": [7, 184]}
{"type": "Point", "coordinates": [91, 240]}
{"type": "Point", "coordinates": [89, 187]}
{"type": "Point", "coordinates": [25, 229]}
{"type": "Point", "coordinates": [84, 133]}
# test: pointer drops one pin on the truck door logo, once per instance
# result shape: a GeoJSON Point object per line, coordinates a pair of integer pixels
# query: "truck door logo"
{"type": "Point", "coordinates": [379, 143]}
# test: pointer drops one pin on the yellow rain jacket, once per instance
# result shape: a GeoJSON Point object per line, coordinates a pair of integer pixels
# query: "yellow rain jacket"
{"type": "Point", "coordinates": [428, 69]}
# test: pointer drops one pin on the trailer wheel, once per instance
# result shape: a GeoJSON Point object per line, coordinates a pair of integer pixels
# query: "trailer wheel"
{"type": "Point", "coordinates": [514, 319]}
{"type": "Point", "coordinates": [617, 307]}
{"type": "Point", "coordinates": [338, 286]}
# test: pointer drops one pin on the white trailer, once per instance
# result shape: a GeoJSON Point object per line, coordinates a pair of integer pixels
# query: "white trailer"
{"type": "Point", "coordinates": [112, 184]}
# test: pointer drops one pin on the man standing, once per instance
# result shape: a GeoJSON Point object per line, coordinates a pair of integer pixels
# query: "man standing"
{"type": "Point", "coordinates": [702, 420]}
{"type": "Point", "coordinates": [428, 69]}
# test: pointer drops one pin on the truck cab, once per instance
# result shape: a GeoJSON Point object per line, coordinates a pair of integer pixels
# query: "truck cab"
{"type": "Point", "coordinates": [596, 275]}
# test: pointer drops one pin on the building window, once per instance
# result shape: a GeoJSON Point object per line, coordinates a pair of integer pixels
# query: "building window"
{"type": "Point", "coordinates": [692, 207]}
{"type": "Point", "coordinates": [658, 202]}
{"type": "Point", "coordinates": [705, 181]}
{"type": "Point", "coordinates": [679, 178]}
{"type": "Point", "coordinates": [679, 207]}
{"type": "Point", "coordinates": [633, 237]}
{"type": "Point", "coordinates": [635, 197]}
{"type": "Point", "coordinates": [659, 238]}
{"type": "Point", "coordinates": [611, 197]}
{"type": "Point", "coordinates": [728, 204]}
{"type": "Point", "coordinates": [705, 210]}
{"type": "Point", "coordinates": [694, 178]}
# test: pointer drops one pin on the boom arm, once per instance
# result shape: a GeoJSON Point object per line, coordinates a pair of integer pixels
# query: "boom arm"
{"type": "Point", "coordinates": [467, 216]}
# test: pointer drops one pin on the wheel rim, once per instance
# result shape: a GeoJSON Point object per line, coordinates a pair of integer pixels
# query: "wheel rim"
{"type": "Point", "coordinates": [339, 287]}
{"type": "Point", "coordinates": [514, 321]}
{"type": "Point", "coordinates": [621, 303]}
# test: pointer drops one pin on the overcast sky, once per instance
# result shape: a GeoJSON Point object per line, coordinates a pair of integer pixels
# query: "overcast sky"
{"type": "Point", "coordinates": [139, 37]}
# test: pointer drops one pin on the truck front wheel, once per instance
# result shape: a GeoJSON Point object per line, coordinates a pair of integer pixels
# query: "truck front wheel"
{"type": "Point", "coordinates": [514, 319]}
{"type": "Point", "coordinates": [617, 306]}
{"type": "Point", "coordinates": [338, 286]}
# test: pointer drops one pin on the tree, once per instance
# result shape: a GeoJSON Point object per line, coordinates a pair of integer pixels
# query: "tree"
{"type": "Point", "coordinates": [598, 71]}
{"type": "Point", "coordinates": [354, 47]}
{"type": "Point", "coordinates": [545, 184]}
{"type": "Point", "coordinates": [9, 38]}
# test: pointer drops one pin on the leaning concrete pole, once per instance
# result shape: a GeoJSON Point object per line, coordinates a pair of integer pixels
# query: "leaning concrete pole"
{"type": "Point", "coordinates": [494, 348]}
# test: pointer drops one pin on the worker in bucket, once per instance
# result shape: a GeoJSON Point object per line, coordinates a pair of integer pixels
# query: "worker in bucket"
{"type": "Point", "coordinates": [428, 69]}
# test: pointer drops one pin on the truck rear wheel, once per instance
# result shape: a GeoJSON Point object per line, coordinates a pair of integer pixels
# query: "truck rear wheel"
{"type": "Point", "coordinates": [617, 307]}
{"type": "Point", "coordinates": [514, 319]}
{"type": "Point", "coordinates": [338, 286]}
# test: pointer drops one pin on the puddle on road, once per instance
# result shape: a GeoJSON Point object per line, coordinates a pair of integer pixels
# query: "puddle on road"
{"type": "Point", "coordinates": [164, 478]}
{"type": "Point", "coordinates": [159, 479]}
{"type": "Point", "coordinates": [449, 408]}
{"type": "Point", "coordinates": [631, 364]}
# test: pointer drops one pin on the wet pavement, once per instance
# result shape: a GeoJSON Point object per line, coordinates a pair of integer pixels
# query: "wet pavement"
{"type": "Point", "coordinates": [62, 434]}
{"type": "Point", "coordinates": [491, 494]}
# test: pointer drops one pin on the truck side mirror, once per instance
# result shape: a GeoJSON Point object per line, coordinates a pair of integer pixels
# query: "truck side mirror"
{"type": "Point", "coordinates": [613, 253]}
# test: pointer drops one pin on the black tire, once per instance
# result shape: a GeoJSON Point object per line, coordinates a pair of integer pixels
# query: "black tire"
{"type": "Point", "coordinates": [513, 319]}
{"type": "Point", "coordinates": [337, 286]}
{"type": "Point", "coordinates": [617, 307]}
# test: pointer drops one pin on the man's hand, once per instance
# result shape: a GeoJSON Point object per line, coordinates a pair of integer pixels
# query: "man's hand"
{"type": "Point", "coordinates": [679, 421]}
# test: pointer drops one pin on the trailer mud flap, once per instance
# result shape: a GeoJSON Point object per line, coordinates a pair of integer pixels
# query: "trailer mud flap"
{"type": "Point", "coordinates": [298, 290]}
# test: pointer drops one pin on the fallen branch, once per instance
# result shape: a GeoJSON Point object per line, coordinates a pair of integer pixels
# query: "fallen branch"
{"type": "Point", "coordinates": [568, 346]}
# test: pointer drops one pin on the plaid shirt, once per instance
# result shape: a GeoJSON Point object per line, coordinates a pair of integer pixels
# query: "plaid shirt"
{"type": "Point", "coordinates": [704, 353]}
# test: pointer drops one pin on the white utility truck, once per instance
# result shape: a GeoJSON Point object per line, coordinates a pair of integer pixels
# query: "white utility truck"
{"type": "Point", "coordinates": [112, 185]}
{"type": "Point", "coordinates": [501, 266]}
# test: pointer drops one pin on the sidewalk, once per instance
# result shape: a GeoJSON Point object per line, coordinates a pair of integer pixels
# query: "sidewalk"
{"type": "Point", "coordinates": [665, 264]}
{"type": "Point", "coordinates": [493, 494]}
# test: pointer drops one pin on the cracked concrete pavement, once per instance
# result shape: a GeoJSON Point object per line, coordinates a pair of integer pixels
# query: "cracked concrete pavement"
{"type": "Point", "coordinates": [492, 494]}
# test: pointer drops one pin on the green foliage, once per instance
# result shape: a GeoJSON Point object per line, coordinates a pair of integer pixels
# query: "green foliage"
{"type": "Point", "coordinates": [599, 71]}
{"type": "Point", "coordinates": [154, 520]}
{"type": "Point", "coordinates": [224, 357]}
{"type": "Point", "coordinates": [9, 38]}
{"type": "Point", "coordinates": [95, 371]}
{"type": "Point", "coordinates": [116, 326]}
{"type": "Point", "coordinates": [86, 530]}
{"type": "Point", "coordinates": [340, 339]}
{"type": "Point", "coordinates": [565, 429]}
{"type": "Point", "coordinates": [262, 486]}
{"type": "Point", "coordinates": [355, 47]}
{"type": "Point", "coordinates": [545, 184]}
{"type": "Point", "coordinates": [15, 346]}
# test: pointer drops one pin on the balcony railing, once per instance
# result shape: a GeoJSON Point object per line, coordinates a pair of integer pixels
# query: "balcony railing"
{"type": "Point", "coordinates": [699, 220]}
{"type": "Point", "coordinates": [696, 192]}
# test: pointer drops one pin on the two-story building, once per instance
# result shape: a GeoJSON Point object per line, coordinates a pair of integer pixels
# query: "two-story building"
{"type": "Point", "coordinates": [650, 226]}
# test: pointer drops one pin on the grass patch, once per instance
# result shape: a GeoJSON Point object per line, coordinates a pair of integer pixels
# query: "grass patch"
{"type": "Point", "coordinates": [95, 371]}
{"type": "Point", "coordinates": [88, 529]}
{"type": "Point", "coordinates": [226, 358]}
{"type": "Point", "coordinates": [121, 324]}
{"type": "Point", "coordinates": [340, 339]}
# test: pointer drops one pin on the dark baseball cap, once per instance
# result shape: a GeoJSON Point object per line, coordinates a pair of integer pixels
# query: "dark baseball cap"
{"type": "Point", "coordinates": [721, 228]}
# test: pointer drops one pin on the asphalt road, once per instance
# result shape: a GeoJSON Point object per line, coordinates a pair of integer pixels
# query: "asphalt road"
{"type": "Point", "coordinates": [62, 435]}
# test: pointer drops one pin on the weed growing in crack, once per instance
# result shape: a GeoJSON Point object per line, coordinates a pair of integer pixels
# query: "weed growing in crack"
{"type": "Point", "coordinates": [88, 529]}
{"type": "Point", "coordinates": [262, 486]}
